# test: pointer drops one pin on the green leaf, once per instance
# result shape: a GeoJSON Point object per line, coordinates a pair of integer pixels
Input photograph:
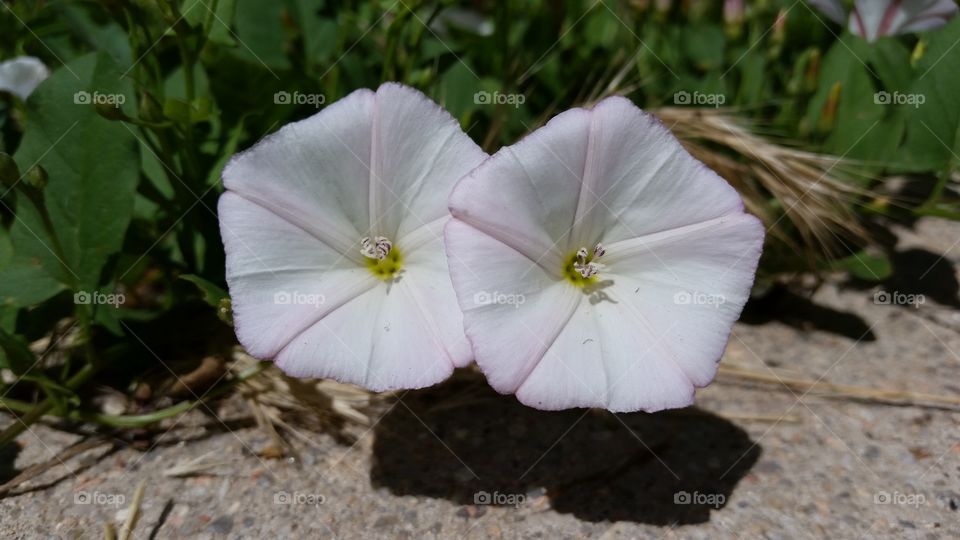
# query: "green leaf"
{"type": "Point", "coordinates": [457, 89]}
{"type": "Point", "coordinates": [891, 61]}
{"type": "Point", "coordinates": [753, 78]}
{"type": "Point", "coordinates": [862, 128]}
{"type": "Point", "coordinates": [23, 282]}
{"type": "Point", "coordinates": [186, 112]}
{"type": "Point", "coordinates": [933, 128]}
{"type": "Point", "coordinates": [9, 172]}
{"type": "Point", "coordinates": [865, 266]}
{"type": "Point", "coordinates": [260, 30]}
{"type": "Point", "coordinates": [704, 45]}
{"type": "Point", "coordinates": [92, 165]}
{"type": "Point", "coordinates": [212, 294]}
{"type": "Point", "coordinates": [16, 354]}
{"type": "Point", "coordinates": [227, 152]}
{"type": "Point", "coordinates": [319, 33]}
{"type": "Point", "coordinates": [216, 23]}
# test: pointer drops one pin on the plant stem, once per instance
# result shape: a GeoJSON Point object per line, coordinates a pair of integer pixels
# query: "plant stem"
{"type": "Point", "coordinates": [37, 411]}
{"type": "Point", "coordinates": [140, 420]}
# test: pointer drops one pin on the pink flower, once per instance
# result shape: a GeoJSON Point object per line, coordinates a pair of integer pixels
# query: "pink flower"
{"type": "Point", "coordinates": [871, 19]}
{"type": "Point", "coordinates": [333, 235]}
{"type": "Point", "coordinates": [598, 264]}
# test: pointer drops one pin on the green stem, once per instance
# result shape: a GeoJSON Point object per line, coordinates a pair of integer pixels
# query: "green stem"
{"type": "Point", "coordinates": [37, 411]}
{"type": "Point", "coordinates": [937, 212]}
{"type": "Point", "coordinates": [15, 405]}
{"type": "Point", "coordinates": [207, 25]}
{"type": "Point", "coordinates": [140, 420]}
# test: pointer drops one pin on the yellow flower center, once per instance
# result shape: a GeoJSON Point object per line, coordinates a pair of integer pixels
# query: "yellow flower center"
{"type": "Point", "coordinates": [582, 268]}
{"type": "Point", "coordinates": [574, 276]}
{"type": "Point", "coordinates": [387, 267]}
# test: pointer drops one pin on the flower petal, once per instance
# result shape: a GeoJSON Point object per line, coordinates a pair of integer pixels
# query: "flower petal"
{"type": "Point", "coordinates": [872, 19]}
{"type": "Point", "coordinates": [650, 334]}
{"type": "Point", "coordinates": [918, 15]}
{"type": "Point", "coordinates": [689, 285]}
{"type": "Point", "coordinates": [640, 179]}
{"type": "Point", "coordinates": [512, 309]}
{"type": "Point", "coordinates": [313, 173]}
{"type": "Point", "coordinates": [382, 340]}
{"type": "Point", "coordinates": [525, 195]}
{"type": "Point", "coordinates": [21, 75]}
{"type": "Point", "coordinates": [833, 9]}
{"type": "Point", "coordinates": [419, 153]}
{"type": "Point", "coordinates": [429, 278]}
{"type": "Point", "coordinates": [282, 279]}
{"type": "Point", "coordinates": [602, 358]}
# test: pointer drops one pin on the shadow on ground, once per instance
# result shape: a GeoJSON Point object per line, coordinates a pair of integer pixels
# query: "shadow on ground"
{"type": "Point", "coordinates": [792, 309]}
{"type": "Point", "coordinates": [922, 272]}
{"type": "Point", "coordinates": [8, 455]}
{"type": "Point", "coordinates": [592, 464]}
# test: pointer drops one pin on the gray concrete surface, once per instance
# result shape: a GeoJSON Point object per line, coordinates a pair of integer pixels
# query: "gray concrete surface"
{"type": "Point", "coordinates": [754, 461]}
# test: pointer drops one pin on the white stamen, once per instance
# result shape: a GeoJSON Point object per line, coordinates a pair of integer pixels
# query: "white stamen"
{"type": "Point", "coordinates": [378, 249]}
{"type": "Point", "coordinates": [589, 269]}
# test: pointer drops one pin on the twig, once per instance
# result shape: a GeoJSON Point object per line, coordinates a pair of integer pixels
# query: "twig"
{"type": "Point", "coordinates": [134, 512]}
{"type": "Point", "coordinates": [194, 466]}
{"type": "Point", "coordinates": [877, 395]}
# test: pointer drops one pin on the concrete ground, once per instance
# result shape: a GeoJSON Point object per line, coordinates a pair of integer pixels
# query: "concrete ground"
{"type": "Point", "coordinates": [749, 460]}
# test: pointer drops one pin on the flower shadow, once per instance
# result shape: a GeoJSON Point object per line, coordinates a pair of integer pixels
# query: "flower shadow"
{"type": "Point", "coordinates": [595, 292]}
{"type": "Point", "coordinates": [464, 442]}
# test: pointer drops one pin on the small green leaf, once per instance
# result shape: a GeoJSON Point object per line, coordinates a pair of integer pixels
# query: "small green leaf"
{"type": "Point", "coordinates": [212, 294]}
{"type": "Point", "coordinates": [9, 173]}
{"type": "Point", "coordinates": [23, 281]}
{"type": "Point", "coordinates": [933, 127]}
{"type": "Point", "coordinates": [865, 266]}
{"type": "Point", "coordinates": [17, 356]}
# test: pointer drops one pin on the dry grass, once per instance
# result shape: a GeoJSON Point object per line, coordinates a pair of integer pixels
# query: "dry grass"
{"type": "Point", "coordinates": [805, 199]}
{"type": "Point", "coordinates": [299, 407]}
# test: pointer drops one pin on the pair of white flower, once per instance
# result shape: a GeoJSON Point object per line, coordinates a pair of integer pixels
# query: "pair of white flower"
{"type": "Point", "coordinates": [340, 253]}
{"type": "Point", "coordinates": [872, 19]}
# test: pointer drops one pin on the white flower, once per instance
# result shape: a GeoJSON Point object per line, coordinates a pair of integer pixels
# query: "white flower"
{"type": "Point", "coordinates": [871, 19]}
{"type": "Point", "coordinates": [632, 258]}
{"type": "Point", "coordinates": [22, 75]}
{"type": "Point", "coordinates": [333, 235]}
